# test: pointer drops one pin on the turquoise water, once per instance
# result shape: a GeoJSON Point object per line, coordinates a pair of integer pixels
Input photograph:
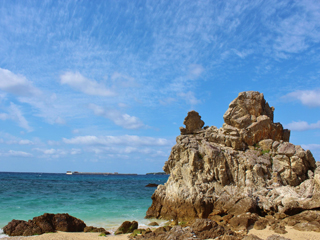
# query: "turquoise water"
{"type": "Point", "coordinates": [101, 201]}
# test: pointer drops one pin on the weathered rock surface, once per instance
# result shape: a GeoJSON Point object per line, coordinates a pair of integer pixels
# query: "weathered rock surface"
{"type": "Point", "coordinates": [127, 227]}
{"type": "Point", "coordinates": [200, 229]}
{"type": "Point", "coordinates": [248, 165]}
{"type": "Point", "coordinates": [193, 123]}
{"type": "Point", "coordinates": [43, 224]}
{"type": "Point", "coordinates": [95, 229]}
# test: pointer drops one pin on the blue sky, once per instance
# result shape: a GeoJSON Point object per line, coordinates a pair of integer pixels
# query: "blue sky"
{"type": "Point", "coordinates": [105, 85]}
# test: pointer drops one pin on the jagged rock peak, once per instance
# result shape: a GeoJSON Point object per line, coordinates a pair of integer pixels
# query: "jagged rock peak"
{"type": "Point", "coordinates": [249, 119]}
{"type": "Point", "coordinates": [246, 108]}
{"type": "Point", "coordinates": [193, 123]}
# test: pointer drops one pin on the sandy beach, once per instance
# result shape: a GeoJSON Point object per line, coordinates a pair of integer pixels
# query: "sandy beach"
{"type": "Point", "coordinates": [70, 236]}
{"type": "Point", "coordinates": [291, 234]}
{"type": "Point", "coordinates": [263, 234]}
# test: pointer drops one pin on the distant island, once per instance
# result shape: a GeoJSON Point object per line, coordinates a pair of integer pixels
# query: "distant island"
{"type": "Point", "coordinates": [156, 173]}
{"type": "Point", "coordinates": [99, 173]}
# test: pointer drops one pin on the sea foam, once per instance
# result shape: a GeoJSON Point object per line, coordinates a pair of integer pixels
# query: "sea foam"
{"type": "Point", "coordinates": [2, 235]}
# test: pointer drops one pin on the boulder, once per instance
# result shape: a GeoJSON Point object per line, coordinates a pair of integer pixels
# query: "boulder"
{"type": "Point", "coordinates": [153, 224]}
{"type": "Point", "coordinates": [127, 227]}
{"type": "Point", "coordinates": [67, 223]}
{"type": "Point", "coordinates": [241, 222]}
{"type": "Point", "coordinates": [22, 228]}
{"type": "Point", "coordinates": [261, 224]}
{"type": "Point", "coordinates": [193, 123]}
{"type": "Point", "coordinates": [44, 224]}
{"type": "Point", "coordinates": [95, 229]}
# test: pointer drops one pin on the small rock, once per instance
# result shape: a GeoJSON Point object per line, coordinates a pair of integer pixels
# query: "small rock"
{"type": "Point", "coordinates": [153, 224]}
{"type": "Point", "coordinates": [127, 227]}
{"type": "Point", "coordinates": [260, 224]}
{"type": "Point", "coordinates": [252, 237]}
{"type": "Point", "coordinates": [95, 229]}
{"type": "Point", "coordinates": [277, 237]}
{"type": "Point", "coordinates": [152, 185]}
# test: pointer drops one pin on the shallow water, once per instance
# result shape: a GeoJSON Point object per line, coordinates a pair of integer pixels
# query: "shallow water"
{"type": "Point", "coordinates": [101, 201]}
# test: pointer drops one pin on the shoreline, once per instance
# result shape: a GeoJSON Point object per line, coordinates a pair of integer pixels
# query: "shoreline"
{"type": "Point", "coordinates": [69, 236]}
{"type": "Point", "coordinates": [263, 234]}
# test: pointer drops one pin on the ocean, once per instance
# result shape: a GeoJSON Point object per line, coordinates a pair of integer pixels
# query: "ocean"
{"type": "Point", "coordinates": [98, 200]}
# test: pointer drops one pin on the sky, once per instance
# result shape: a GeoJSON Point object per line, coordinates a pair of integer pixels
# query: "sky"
{"type": "Point", "coordinates": [103, 86]}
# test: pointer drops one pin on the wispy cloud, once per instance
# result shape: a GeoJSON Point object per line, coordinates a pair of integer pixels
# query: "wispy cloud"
{"type": "Point", "coordinates": [15, 114]}
{"type": "Point", "coordinates": [311, 147]}
{"type": "Point", "coordinates": [127, 140]}
{"type": "Point", "coordinates": [121, 119]}
{"type": "Point", "coordinates": [302, 126]}
{"type": "Point", "coordinates": [85, 85]}
{"type": "Point", "coordinates": [307, 97]}
{"type": "Point", "coordinates": [298, 31]}
{"type": "Point", "coordinates": [189, 98]}
{"type": "Point", "coordinates": [12, 153]}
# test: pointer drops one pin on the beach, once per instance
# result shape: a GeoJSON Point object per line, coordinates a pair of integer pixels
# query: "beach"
{"type": "Point", "coordinates": [291, 234]}
{"type": "Point", "coordinates": [263, 234]}
{"type": "Point", "coordinates": [70, 236]}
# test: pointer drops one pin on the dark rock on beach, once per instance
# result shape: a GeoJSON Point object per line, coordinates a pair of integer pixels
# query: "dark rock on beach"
{"type": "Point", "coordinates": [153, 224]}
{"type": "Point", "coordinates": [44, 224]}
{"type": "Point", "coordinates": [22, 228]}
{"type": "Point", "coordinates": [95, 229]}
{"type": "Point", "coordinates": [127, 227]}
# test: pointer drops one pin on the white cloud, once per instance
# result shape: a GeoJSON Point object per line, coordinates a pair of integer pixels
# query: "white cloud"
{"type": "Point", "coordinates": [311, 146]}
{"type": "Point", "coordinates": [302, 126]}
{"type": "Point", "coordinates": [4, 116]}
{"type": "Point", "coordinates": [59, 120]}
{"type": "Point", "coordinates": [25, 142]}
{"type": "Point", "coordinates": [16, 84]}
{"type": "Point", "coordinates": [122, 105]}
{"type": "Point", "coordinates": [46, 151]}
{"type": "Point", "coordinates": [189, 98]}
{"type": "Point", "coordinates": [242, 54]}
{"type": "Point", "coordinates": [15, 114]}
{"type": "Point", "coordinates": [13, 153]}
{"type": "Point", "coordinates": [54, 153]}
{"type": "Point", "coordinates": [75, 151]}
{"type": "Point", "coordinates": [123, 80]}
{"type": "Point", "coordinates": [309, 98]}
{"type": "Point", "coordinates": [121, 119]}
{"type": "Point", "coordinates": [128, 140]}
{"type": "Point", "coordinates": [167, 101]}
{"type": "Point", "coordinates": [85, 85]}
{"type": "Point", "coordinates": [195, 70]}
{"type": "Point", "coordinates": [75, 131]}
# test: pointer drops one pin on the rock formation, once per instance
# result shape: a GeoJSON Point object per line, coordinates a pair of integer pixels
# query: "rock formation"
{"type": "Point", "coordinates": [44, 224]}
{"type": "Point", "coordinates": [248, 165]}
{"type": "Point", "coordinates": [193, 123]}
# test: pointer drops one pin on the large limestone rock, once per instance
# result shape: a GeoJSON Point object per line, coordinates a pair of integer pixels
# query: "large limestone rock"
{"type": "Point", "coordinates": [248, 165]}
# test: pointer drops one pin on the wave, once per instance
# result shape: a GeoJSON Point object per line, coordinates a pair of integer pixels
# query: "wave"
{"type": "Point", "coordinates": [2, 235]}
